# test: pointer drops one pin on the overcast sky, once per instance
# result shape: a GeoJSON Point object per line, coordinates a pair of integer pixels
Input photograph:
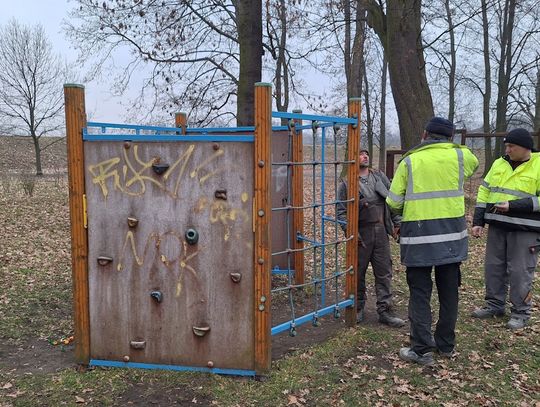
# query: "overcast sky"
{"type": "Point", "coordinates": [100, 105]}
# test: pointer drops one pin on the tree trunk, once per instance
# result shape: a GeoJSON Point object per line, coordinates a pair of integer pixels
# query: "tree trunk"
{"type": "Point", "coordinates": [382, 131]}
{"type": "Point", "coordinates": [249, 17]}
{"type": "Point", "coordinates": [400, 34]}
{"type": "Point", "coordinates": [536, 120]}
{"type": "Point", "coordinates": [282, 71]}
{"type": "Point", "coordinates": [452, 74]}
{"type": "Point", "coordinates": [487, 91]}
{"type": "Point", "coordinates": [354, 54]}
{"type": "Point", "coordinates": [505, 70]}
{"type": "Point", "coordinates": [369, 116]}
{"type": "Point", "coordinates": [37, 150]}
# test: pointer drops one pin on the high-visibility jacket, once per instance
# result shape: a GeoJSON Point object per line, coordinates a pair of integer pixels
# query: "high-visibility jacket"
{"type": "Point", "coordinates": [427, 190]}
{"type": "Point", "coordinates": [520, 187]}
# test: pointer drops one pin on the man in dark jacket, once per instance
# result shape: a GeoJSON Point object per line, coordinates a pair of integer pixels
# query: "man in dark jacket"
{"type": "Point", "coordinates": [508, 201]}
{"type": "Point", "coordinates": [375, 223]}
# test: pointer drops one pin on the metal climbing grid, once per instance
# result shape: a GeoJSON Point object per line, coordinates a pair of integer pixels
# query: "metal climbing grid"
{"type": "Point", "coordinates": [322, 209]}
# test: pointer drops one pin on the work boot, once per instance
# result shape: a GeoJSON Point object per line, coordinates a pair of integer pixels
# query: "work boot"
{"type": "Point", "coordinates": [360, 315]}
{"type": "Point", "coordinates": [409, 355]}
{"type": "Point", "coordinates": [487, 313]}
{"type": "Point", "coordinates": [390, 319]}
{"type": "Point", "coordinates": [516, 323]}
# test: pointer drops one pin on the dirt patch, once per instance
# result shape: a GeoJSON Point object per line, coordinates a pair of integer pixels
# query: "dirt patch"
{"type": "Point", "coordinates": [307, 334]}
{"type": "Point", "coordinates": [144, 394]}
{"type": "Point", "coordinates": [35, 357]}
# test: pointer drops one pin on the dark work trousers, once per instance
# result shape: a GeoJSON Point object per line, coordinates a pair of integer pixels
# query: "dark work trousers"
{"type": "Point", "coordinates": [510, 262]}
{"type": "Point", "coordinates": [374, 247]}
{"type": "Point", "coordinates": [447, 279]}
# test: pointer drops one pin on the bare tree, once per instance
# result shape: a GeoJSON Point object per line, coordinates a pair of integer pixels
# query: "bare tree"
{"type": "Point", "coordinates": [201, 54]}
{"type": "Point", "coordinates": [31, 78]}
{"type": "Point", "coordinates": [398, 25]}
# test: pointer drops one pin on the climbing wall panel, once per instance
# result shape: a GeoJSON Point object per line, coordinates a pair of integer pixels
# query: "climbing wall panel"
{"type": "Point", "coordinates": [154, 297]}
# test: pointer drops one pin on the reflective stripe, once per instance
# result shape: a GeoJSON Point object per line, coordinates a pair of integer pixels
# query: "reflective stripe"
{"type": "Point", "coordinates": [481, 205]}
{"type": "Point", "coordinates": [433, 194]}
{"type": "Point", "coordinates": [461, 169]}
{"type": "Point", "coordinates": [447, 237]}
{"type": "Point", "coordinates": [519, 194]}
{"type": "Point", "coordinates": [395, 197]}
{"type": "Point", "coordinates": [536, 204]}
{"type": "Point", "coordinates": [484, 184]}
{"type": "Point", "coordinates": [410, 195]}
{"type": "Point", "coordinates": [512, 220]}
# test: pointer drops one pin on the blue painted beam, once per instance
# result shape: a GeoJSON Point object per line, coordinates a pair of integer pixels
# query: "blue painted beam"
{"type": "Point", "coordinates": [309, 317]}
{"type": "Point", "coordinates": [135, 365]}
{"type": "Point", "coordinates": [300, 116]}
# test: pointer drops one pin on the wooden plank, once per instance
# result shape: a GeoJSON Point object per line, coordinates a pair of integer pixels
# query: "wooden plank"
{"type": "Point", "coordinates": [353, 141]}
{"type": "Point", "coordinates": [298, 200]}
{"type": "Point", "coordinates": [75, 121]}
{"type": "Point", "coordinates": [261, 214]}
{"type": "Point", "coordinates": [154, 255]}
{"type": "Point", "coordinates": [180, 120]}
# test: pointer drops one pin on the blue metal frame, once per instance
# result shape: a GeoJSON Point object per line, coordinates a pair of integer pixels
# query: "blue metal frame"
{"type": "Point", "coordinates": [135, 365]}
{"type": "Point", "coordinates": [286, 326]}
{"type": "Point", "coordinates": [311, 117]}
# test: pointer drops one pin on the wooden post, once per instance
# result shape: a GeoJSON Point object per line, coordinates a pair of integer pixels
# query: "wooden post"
{"type": "Point", "coordinates": [261, 213]}
{"type": "Point", "coordinates": [75, 121]}
{"type": "Point", "coordinates": [389, 164]}
{"type": "Point", "coordinates": [463, 136]}
{"type": "Point", "coordinates": [180, 120]}
{"type": "Point", "coordinates": [297, 199]}
{"type": "Point", "coordinates": [353, 142]}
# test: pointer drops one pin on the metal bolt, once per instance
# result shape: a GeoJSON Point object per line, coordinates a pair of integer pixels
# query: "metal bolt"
{"type": "Point", "coordinates": [261, 307]}
{"type": "Point", "coordinates": [210, 364]}
{"type": "Point", "coordinates": [215, 146]}
{"type": "Point", "coordinates": [260, 213]}
{"type": "Point", "coordinates": [127, 145]}
{"type": "Point", "coordinates": [263, 298]}
{"type": "Point", "coordinates": [260, 163]}
{"type": "Point", "coordinates": [260, 260]}
{"type": "Point", "coordinates": [126, 358]}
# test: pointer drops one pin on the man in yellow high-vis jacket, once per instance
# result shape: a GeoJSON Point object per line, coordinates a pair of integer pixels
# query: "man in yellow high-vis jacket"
{"type": "Point", "coordinates": [427, 190]}
{"type": "Point", "coordinates": [508, 201]}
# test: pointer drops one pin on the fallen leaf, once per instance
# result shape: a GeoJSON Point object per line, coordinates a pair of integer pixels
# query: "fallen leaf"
{"type": "Point", "coordinates": [79, 400]}
{"type": "Point", "coordinates": [7, 386]}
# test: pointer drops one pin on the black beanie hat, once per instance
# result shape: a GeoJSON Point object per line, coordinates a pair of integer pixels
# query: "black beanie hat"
{"type": "Point", "coordinates": [363, 150]}
{"type": "Point", "coordinates": [440, 126]}
{"type": "Point", "coordinates": [520, 137]}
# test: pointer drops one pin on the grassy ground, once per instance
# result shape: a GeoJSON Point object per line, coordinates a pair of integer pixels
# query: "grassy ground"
{"type": "Point", "coordinates": [357, 366]}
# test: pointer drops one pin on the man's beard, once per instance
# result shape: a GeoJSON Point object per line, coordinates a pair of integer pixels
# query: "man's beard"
{"type": "Point", "coordinates": [364, 165]}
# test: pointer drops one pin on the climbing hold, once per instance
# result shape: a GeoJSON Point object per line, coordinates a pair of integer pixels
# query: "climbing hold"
{"type": "Point", "coordinates": [157, 296]}
{"type": "Point", "coordinates": [138, 344]}
{"type": "Point", "coordinates": [201, 330]}
{"type": "Point", "coordinates": [104, 260]}
{"type": "Point", "coordinates": [192, 236]}
{"type": "Point", "coordinates": [160, 168]}
{"type": "Point", "coordinates": [132, 222]}
{"type": "Point", "coordinates": [236, 277]}
{"type": "Point", "coordinates": [221, 194]}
